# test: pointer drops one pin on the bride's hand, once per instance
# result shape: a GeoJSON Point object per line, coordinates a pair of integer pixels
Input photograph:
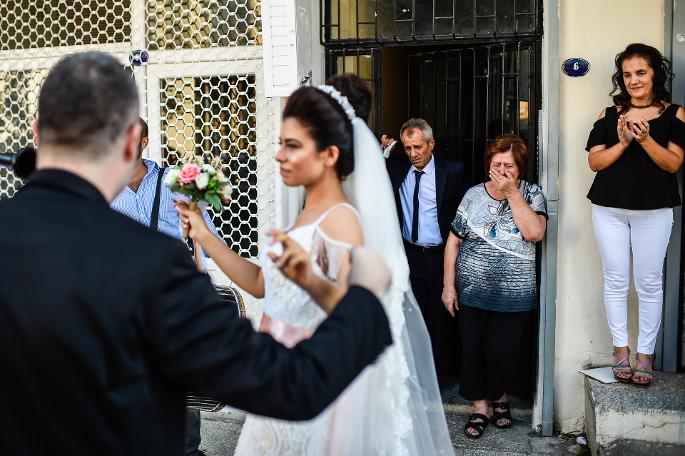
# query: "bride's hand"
{"type": "Point", "coordinates": [192, 222]}
{"type": "Point", "coordinates": [294, 262]}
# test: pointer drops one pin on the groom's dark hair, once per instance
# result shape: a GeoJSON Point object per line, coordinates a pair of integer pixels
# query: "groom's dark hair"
{"type": "Point", "coordinates": [86, 102]}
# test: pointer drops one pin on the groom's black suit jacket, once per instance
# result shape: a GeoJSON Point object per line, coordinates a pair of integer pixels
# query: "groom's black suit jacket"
{"type": "Point", "coordinates": [106, 324]}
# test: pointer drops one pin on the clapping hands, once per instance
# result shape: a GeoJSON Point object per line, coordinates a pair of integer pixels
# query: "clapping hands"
{"type": "Point", "coordinates": [627, 130]}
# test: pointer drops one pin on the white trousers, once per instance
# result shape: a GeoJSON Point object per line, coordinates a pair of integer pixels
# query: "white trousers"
{"type": "Point", "coordinates": [647, 233]}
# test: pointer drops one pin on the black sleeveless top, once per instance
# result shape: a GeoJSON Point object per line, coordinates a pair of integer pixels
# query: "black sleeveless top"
{"type": "Point", "coordinates": [634, 181]}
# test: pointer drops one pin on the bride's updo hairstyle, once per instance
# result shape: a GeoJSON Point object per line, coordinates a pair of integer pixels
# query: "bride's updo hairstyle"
{"type": "Point", "coordinates": [327, 123]}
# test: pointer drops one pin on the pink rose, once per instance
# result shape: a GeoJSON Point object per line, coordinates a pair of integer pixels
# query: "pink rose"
{"type": "Point", "coordinates": [188, 173]}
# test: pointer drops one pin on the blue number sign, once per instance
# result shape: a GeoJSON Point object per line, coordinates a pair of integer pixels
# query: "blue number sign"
{"type": "Point", "coordinates": [575, 67]}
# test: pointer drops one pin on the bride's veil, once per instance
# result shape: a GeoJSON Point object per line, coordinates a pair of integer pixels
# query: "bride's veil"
{"type": "Point", "coordinates": [404, 409]}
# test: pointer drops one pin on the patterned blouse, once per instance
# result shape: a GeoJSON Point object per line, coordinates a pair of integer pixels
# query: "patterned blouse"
{"type": "Point", "coordinates": [496, 265]}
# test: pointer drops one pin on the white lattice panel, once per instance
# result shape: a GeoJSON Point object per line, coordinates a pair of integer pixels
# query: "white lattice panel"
{"type": "Point", "coordinates": [191, 24]}
{"type": "Point", "coordinates": [27, 24]}
{"type": "Point", "coordinates": [18, 105]}
{"type": "Point", "coordinates": [202, 89]}
{"type": "Point", "coordinates": [216, 117]}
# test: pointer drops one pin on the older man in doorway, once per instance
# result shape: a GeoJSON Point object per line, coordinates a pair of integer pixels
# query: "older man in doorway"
{"type": "Point", "coordinates": [427, 194]}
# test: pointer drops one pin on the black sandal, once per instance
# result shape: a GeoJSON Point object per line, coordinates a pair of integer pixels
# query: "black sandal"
{"type": "Point", "coordinates": [478, 426]}
{"type": "Point", "coordinates": [505, 415]}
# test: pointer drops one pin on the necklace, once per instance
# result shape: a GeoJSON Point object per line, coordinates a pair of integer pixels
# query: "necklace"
{"type": "Point", "coordinates": [641, 106]}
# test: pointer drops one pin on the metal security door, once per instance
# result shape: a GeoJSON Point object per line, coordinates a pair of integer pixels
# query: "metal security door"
{"type": "Point", "coordinates": [472, 94]}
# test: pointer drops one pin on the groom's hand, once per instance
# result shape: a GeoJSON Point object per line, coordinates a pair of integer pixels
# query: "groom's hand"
{"type": "Point", "coordinates": [293, 261]}
{"type": "Point", "coordinates": [368, 270]}
{"type": "Point", "coordinates": [296, 264]}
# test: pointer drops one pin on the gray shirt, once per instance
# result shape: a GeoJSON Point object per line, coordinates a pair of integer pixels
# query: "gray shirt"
{"type": "Point", "coordinates": [496, 265]}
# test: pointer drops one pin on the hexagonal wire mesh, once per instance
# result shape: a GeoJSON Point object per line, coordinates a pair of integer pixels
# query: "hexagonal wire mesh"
{"type": "Point", "coordinates": [188, 24]}
{"type": "Point", "coordinates": [216, 116]}
{"type": "Point", "coordinates": [222, 120]}
{"type": "Point", "coordinates": [18, 106]}
{"type": "Point", "coordinates": [29, 24]}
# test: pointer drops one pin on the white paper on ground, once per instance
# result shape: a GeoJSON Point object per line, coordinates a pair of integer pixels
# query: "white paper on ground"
{"type": "Point", "coordinates": [603, 374]}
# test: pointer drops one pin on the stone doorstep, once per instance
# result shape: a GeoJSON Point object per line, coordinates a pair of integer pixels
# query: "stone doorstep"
{"type": "Point", "coordinates": [618, 413]}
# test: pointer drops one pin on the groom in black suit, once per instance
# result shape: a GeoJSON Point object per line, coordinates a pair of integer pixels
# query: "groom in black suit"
{"type": "Point", "coordinates": [106, 324]}
{"type": "Point", "coordinates": [427, 194]}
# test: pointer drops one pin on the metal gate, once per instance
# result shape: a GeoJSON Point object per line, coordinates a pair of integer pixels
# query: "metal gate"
{"type": "Point", "coordinates": [473, 66]}
{"type": "Point", "coordinates": [201, 91]}
{"type": "Point", "coordinates": [472, 94]}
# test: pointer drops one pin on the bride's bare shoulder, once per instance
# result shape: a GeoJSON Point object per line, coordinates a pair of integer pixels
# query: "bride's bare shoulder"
{"type": "Point", "coordinates": [342, 224]}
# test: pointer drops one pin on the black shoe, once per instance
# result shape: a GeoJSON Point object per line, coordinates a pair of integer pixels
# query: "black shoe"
{"type": "Point", "coordinates": [505, 415]}
{"type": "Point", "coordinates": [478, 422]}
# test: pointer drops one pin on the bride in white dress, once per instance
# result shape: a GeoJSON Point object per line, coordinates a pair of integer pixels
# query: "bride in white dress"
{"type": "Point", "coordinates": [394, 406]}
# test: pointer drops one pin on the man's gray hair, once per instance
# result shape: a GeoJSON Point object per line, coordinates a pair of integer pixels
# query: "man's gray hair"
{"type": "Point", "coordinates": [418, 124]}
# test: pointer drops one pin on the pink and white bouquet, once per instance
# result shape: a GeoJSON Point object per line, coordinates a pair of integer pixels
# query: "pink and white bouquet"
{"type": "Point", "coordinates": [197, 182]}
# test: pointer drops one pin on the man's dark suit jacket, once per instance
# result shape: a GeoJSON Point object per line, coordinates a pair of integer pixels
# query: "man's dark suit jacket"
{"type": "Point", "coordinates": [106, 324]}
{"type": "Point", "coordinates": [450, 185]}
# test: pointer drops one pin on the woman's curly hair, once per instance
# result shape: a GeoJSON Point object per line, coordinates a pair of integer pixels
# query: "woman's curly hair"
{"type": "Point", "coordinates": [662, 75]}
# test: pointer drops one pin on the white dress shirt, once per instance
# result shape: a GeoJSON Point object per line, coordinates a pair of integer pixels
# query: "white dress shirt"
{"type": "Point", "coordinates": [429, 230]}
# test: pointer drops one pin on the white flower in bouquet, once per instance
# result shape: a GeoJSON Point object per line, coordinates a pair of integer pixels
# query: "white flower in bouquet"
{"type": "Point", "coordinates": [226, 191]}
{"type": "Point", "coordinates": [171, 176]}
{"type": "Point", "coordinates": [209, 169]}
{"type": "Point", "coordinates": [202, 180]}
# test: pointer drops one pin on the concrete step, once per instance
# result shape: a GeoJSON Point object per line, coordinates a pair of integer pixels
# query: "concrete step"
{"type": "Point", "coordinates": [621, 419]}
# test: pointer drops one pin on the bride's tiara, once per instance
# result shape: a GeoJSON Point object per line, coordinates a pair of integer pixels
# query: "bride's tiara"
{"type": "Point", "coordinates": [341, 99]}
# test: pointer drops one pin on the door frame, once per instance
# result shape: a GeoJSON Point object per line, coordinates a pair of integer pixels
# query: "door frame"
{"type": "Point", "coordinates": [669, 341]}
{"type": "Point", "coordinates": [548, 150]}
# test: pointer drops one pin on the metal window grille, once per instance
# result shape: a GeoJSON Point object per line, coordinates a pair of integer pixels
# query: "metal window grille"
{"type": "Point", "coordinates": [27, 24]}
{"type": "Point", "coordinates": [18, 106]}
{"type": "Point", "coordinates": [385, 21]}
{"type": "Point", "coordinates": [471, 95]}
{"type": "Point", "coordinates": [216, 116]}
{"type": "Point", "coordinates": [201, 91]}
{"type": "Point", "coordinates": [189, 24]}
{"type": "Point", "coordinates": [365, 63]}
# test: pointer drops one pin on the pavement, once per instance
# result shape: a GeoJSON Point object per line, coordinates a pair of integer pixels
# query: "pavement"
{"type": "Point", "coordinates": [220, 432]}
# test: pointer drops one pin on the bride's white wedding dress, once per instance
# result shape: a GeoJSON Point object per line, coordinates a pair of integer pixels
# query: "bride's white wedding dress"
{"type": "Point", "coordinates": [393, 407]}
{"type": "Point", "coordinates": [291, 315]}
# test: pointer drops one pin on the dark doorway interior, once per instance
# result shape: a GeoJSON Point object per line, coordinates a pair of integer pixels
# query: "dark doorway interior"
{"type": "Point", "coordinates": [471, 68]}
{"type": "Point", "coordinates": [469, 95]}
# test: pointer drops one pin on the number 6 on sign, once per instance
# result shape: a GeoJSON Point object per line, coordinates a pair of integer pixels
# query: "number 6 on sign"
{"type": "Point", "coordinates": [575, 67]}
